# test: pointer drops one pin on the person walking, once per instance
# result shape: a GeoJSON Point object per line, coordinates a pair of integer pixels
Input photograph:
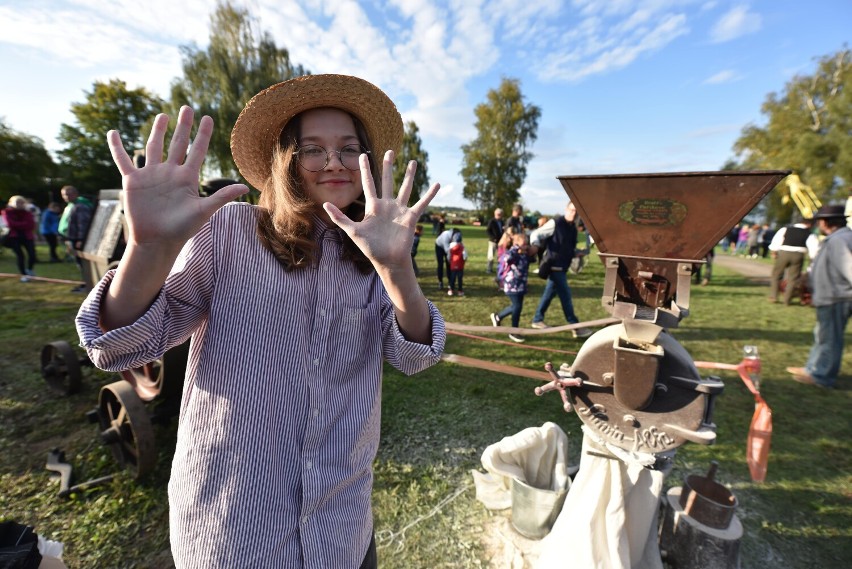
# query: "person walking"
{"type": "Point", "coordinates": [753, 241]}
{"type": "Point", "coordinates": [516, 222]}
{"type": "Point", "coordinates": [295, 302]}
{"type": "Point", "coordinates": [516, 263]}
{"type": "Point", "coordinates": [494, 232]}
{"type": "Point", "coordinates": [789, 247]}
{"type": "Point", "coordinates": [74, 225]}
{"type": "Point", "coordinates": [559, 237]}
{"type": "Point", "coordinates": [831, 294]}
{"type": "Point", "coordinates": [418, 231]}
{"type": "Point", "coordinates": [49, 228]}
{"type": "Point", "coordinates": [21, 237]}
{"type": "Point", "coordinates": [766, 234]}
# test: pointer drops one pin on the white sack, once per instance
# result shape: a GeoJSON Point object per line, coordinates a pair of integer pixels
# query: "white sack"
{"type": "Point", "coordinates": [537, 456]}
{"type": "Point", "coordinates": [609, 519]}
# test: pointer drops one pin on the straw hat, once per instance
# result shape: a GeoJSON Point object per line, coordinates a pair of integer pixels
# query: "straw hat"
{"type": "Point", "coordinates": [260, 123]}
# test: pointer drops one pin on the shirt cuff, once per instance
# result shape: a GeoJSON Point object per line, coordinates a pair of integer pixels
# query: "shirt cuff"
{"type": "Point", "coordinates": [126, 347]}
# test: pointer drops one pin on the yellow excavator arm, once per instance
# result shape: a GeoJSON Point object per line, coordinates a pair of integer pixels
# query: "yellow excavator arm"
{"type": "Point", "coordinates": [802, 195]}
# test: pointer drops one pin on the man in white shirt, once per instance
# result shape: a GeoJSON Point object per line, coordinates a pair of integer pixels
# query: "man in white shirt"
{"type": "Point", "coordinates": [789, 247]}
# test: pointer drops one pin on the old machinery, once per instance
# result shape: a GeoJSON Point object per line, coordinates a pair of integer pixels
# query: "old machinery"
{"type": "Point", "coordinates": [633, 384]}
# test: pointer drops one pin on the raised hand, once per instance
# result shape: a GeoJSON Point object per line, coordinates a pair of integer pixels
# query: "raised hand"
{"type": "Point", "coordinates": [386, 233]}
{"type": "Point", "coordinates": [161, 202]}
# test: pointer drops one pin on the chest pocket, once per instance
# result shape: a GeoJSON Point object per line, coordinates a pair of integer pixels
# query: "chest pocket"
{"type": "Point", "coordinates": [355, 337]}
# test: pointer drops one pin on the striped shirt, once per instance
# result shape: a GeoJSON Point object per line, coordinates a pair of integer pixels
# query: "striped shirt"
{"type": "Point", "coordinates": [281, 408]}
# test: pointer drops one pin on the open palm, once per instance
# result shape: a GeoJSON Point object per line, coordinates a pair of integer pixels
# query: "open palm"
{"type": "Point", "coordinates": [386, 233]}
{"type": "Point", "coordinates": [161, 201]}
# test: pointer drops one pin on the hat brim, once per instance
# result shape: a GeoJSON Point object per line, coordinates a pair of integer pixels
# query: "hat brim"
{"type": "Point", "coordinates": [258, 128]}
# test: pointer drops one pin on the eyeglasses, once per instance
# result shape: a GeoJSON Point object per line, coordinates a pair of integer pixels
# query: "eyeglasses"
{"type": "Point", "coordinates": [314, 158]}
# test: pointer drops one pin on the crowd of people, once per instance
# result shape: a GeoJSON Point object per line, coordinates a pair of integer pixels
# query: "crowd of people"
{"type": "Point", "coordinates": [513, 248]}
{"type": "Point", "coordinates": [23, 224]}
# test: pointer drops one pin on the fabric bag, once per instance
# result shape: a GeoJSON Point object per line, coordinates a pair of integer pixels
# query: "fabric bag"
{"type": "Point", "coordinates": [545, 266]}
{"type": "Point", "coordinates": [18, 546]}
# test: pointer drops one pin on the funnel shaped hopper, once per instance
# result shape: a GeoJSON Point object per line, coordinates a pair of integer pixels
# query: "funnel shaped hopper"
{"type": "Point", "coordinates": [678, 215]}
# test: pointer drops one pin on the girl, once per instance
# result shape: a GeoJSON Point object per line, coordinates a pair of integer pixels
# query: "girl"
{"type": "Point", "coordinates": [516, 264]}
{"type": "Point", "coordinates": [456, 258]}
{"type": "Point", "coordinates": [292, 307]}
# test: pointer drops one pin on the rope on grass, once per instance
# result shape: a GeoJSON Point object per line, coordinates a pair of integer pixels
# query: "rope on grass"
{"type": "Point", "coordinates": [386, 537]}
{"type": "Point", "coordinates": [530, 331]}
{"type": "Point", "coordinates": [493, 366]}
{"type": "Point", "coordinates": [42, 279]}
{"type": "Point", "coordinates": [514, 345]}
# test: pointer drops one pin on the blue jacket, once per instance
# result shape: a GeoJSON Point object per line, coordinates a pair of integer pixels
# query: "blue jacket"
{"type": "Point", "coordinates": [49, 222]}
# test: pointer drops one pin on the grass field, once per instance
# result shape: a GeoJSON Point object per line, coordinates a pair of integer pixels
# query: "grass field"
{"type": "Point", "coordinates": [436, 425]}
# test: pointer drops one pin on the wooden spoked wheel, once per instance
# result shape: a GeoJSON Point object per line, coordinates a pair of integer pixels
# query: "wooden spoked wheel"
{"type": "Point", "coordinates": [60, 367]}
{"type": "Point", "coordinates": [126, 428]}
{"type": "Point", "coordinates": [161, 378]}
{"type": "Point", "coordinates": [147, 380]}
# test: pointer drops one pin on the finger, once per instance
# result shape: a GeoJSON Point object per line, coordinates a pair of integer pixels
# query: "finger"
{"type": "Point", "coordinates": [198, 148]}
{"type": "Point", "coordinates": [227, 194]}
{"type": "Point", "coordinates": [119, 155]}
{"type": "Point", "coordinates": [154, 147]}
{"type": "Point", "coordinates": [339, 218]}
{"type": "Point", "coordinates": [387, 175]}
{"type": "Point", "coordinates": [424, 200]}
{"type": "Point", "coordinates": [367, 183]}
{"type": "Point", "coordinates": [407, 183]}
{"type": "Point", "coordinates": [180, 138]}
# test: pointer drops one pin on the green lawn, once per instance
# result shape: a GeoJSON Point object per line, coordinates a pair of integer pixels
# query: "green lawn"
{"type": "Point", "coordinates": [436, 425]}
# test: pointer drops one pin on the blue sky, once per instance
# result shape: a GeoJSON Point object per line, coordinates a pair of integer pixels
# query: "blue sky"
{"type": "Point", "coordinates": [624, 86]}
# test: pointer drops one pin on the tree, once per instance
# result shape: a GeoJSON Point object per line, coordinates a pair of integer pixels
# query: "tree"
{"type": "Point", "coordinates": [808, 130]}
{"type": "Point", "coordinates": [495, 163]}
{"type": "Point", "coordinates": [26, 167]}
{"type": "Point", "coordinates": [86, 159]}
{"type": "Point", "coordinates": [412, 149]}
{"type": "Point", "coordinates": [238, 63]}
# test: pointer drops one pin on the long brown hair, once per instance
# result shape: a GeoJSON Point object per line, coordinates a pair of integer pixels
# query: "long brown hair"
{"type": "Point", "coordinates": [285, 222]}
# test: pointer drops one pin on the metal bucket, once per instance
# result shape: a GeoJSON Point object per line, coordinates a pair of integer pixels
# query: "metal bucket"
{"type": "Point", "coordinates": [706, 501]}
{"type": "Point", "coordinates": [535, 510]}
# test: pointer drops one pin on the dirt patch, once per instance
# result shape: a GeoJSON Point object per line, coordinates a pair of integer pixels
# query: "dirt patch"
{"type": "Point", "coordinates": [504, 547]}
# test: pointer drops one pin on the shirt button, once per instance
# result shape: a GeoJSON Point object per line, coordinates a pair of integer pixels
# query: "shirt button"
{"type": "Point", "coordinates": [322, 311]}
{"type": "Point", "coordinates": [309, 465]}
{"type": "Point", "coordinates": [316, 412]}
{"type": "Point", "coordinates": [316, 362]}
{"type": "Point", "coordinates": [305, 520]}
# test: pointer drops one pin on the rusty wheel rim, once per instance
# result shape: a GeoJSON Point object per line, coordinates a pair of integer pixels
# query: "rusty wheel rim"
{"type": "Point", "coordinates": [126, 428]}
{"type": "Point", "coordinates": [147, 379]}
{"type": "Point", "coordinates": [60, 367]}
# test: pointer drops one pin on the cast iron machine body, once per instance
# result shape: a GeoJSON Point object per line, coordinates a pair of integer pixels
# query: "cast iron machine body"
{"type": "Point", "coordinates": [147, 395]}
{"type": "Point", "coordinates": [632, 383]}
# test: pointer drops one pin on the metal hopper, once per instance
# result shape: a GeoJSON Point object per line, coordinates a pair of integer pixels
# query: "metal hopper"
{"type": "Point", "coordinates": [633, 383]}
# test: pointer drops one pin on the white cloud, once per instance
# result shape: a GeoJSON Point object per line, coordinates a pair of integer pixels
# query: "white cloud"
{"type": "Point", "coordinates": [724, 76]}
{"type": "Point", "coordinates": [737, 22]}
{"type": "Point", "coordinates": [602, 47]}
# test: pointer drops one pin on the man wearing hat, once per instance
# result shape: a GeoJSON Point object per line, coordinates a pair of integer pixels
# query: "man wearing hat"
{"type": "Point", "coordinates": [831, 285]}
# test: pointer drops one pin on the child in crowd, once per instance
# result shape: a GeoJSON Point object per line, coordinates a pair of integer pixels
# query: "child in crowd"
{"type": "Point", "coordinates": [418, 231]}
{"type": "Point", "coordinates": [503, 245]}
{"type": "Point", "coordinates": [49, 228]}
{"type": "Point", "coordinates": [457, 257]}
{"type": "Point", "coordinates": [516, 264]}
